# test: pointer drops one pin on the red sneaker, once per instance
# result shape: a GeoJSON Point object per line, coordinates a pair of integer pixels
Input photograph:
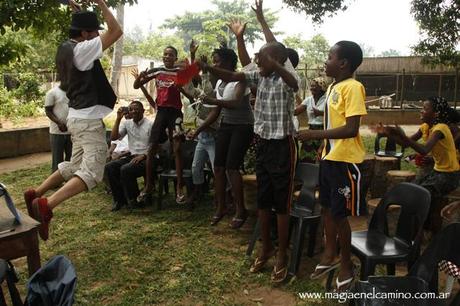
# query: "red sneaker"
{"type": "Point", "coordinates": [29, 196]}
{"type": "Point", "coordinates": [42, 213]}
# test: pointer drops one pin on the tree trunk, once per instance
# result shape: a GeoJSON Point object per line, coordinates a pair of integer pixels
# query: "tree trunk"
{"type": "Point", "coordinates": [117, 51]}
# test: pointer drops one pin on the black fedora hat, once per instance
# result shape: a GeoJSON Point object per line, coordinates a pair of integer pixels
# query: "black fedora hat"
{"type": "Point", "coordinates": [85, 21]}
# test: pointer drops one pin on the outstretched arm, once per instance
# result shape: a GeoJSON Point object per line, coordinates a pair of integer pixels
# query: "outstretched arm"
{"type": "Point", "coordinates": [269, 37]}
{"type": "Point", "coordinates": [223, 74]}
{"type": "Point", "coordinates": [238, 29]}
{"type": "Point", "coordinates": [114, 30]}
{"type": "Point", "coordinates": [235, 103]}
{"type": "Point", "coordinates": [193, 47]}
{"type": "Point", "coordinates": [135, 74]}
{"type": "Point", "coordinates": [349, 130]}
{"type": "Point", "coordinates": [271, 64]}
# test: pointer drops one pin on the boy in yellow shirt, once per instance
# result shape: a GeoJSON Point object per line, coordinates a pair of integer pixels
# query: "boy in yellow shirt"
{"type": "Point", "coordinates": [445, 175]}
{"type": "Point", "coordinates": [343, 150]}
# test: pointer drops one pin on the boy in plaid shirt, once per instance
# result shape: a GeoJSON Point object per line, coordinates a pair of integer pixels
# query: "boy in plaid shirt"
{"type": "Point", "coordinates": [276, 152]}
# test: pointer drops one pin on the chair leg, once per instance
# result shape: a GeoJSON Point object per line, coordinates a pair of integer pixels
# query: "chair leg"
{"type": "Point", "coordinates": [391, 269]}
{"type": "Point", "coordinates": [312, 237]}
{"type": "Point", "coordinates": [296, 254]}
{"type": "Point", "coordinates": [254, 237]}
{"type": "Point", "coordinates": [162, 184]}
{"type": "Point", "coordinates": [367, 268]}
{"type": "Point", "coordinates": [2, 298]}
{"type": "Point", "coordinates": [330, 278]}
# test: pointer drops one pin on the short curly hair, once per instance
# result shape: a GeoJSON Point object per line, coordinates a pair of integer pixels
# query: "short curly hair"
{"type": "Point", "coordinates": [227, 55]}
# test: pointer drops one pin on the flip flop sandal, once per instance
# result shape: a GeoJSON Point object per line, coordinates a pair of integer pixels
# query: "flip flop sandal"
{"type": "Point", "coordinates": [345, 283]}
{"type": "Point", "coordinates": [143, 196]}
{"type": "Point", "coordinates": [238, 222]}
{"type": "Point", "coordinates": [279, 276]}
{"type": "Point", "coordinates": [259, 263]}
{"type": "Point", "coordinates": [216, 218]}
{"type": "Point", "coordinates": [325, 269]}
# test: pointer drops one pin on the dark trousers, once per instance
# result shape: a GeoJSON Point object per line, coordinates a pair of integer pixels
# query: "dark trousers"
{"type": "Point", "coordinates": [60, 145]}
{"type": "Point", "coordinates": [122, 176]}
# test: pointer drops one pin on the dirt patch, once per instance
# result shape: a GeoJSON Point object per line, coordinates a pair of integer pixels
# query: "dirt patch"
{"type": "Point", "coordinates": [266, 296]}
{"type": "Point", "coordinates": [32, 122]}
{"type": "Point", "coordinates": [24, 162]}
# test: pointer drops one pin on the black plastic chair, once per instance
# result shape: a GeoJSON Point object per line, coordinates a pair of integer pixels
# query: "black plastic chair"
{"type": "Point", "coordinates": [7, 273]}
{"type": "Point", "coordinates": [375, 246]}
{"type": "Point", "coordinates": [169, 173]}
{"type": "Point", "coordinates": [302, 216]}
{"type": "Point", "coordinates": [390, 147]}
{"type": "Point", "coordinates": [422, 277]}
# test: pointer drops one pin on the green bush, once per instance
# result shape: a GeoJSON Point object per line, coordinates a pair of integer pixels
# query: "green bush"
{"type": "Point", "coordinates": [24, 101]}
{"type": "Point", "coordinates": [29, 89]}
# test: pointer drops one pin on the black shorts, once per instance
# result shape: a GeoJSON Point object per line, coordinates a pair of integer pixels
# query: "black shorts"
{"type": "Point", "coordinates": [339, 188]}
{"type": "Point", "coordinates": [232, 142]}
{"type": "Point", "coordinates": [275, 167]}
{"type": "Point", "coordinates": [166, 119]}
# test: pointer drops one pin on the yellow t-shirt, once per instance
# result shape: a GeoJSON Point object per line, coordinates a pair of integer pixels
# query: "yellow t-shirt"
{"type": "Point", "coordinates": [425, 129]}
{"type": "Point", "coordinates": [344, 99]}
{"type": "Point", "coordinates": [444, 152]}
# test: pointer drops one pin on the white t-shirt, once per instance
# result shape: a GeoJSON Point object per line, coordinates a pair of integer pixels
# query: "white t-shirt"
{"type": "Point", "coordinates": [84, 55]}
{"type": "Point", "coordinates": [138, 135]}
{"type": "Point", "coordinates": [57, 98]}
{"type": "Point", "coordinates": [309, 102]}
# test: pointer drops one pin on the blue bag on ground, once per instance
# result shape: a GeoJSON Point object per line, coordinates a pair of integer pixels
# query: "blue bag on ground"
{"type": "Point", "coordinates": [53, 284]}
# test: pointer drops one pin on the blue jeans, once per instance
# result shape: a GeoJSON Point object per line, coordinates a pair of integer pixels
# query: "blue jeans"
{"type": "Point", "coordinates": [205, 149]}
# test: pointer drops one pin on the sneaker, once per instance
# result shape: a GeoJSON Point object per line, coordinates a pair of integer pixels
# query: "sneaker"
{"type": "Point", "coordinates": [29, 196]}
{"type": "Point", "coordinates": [43, 214]}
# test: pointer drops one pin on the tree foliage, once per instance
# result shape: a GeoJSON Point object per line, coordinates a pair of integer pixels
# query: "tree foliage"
{"type": "Point", "coordinates": [313, 52]}
{"type": "Point", "coordinates": [209, 28]}
{"type": "Point", "coordinates": [40, 16]}
{"type": "Point", "coordinates": [438, 21]}
{"type": "Point", "coordinates": [318, 9]}
{"type": "Point", "coordinates": [153, 45]}
{"type": "Point", "coordinates": [390, 53]}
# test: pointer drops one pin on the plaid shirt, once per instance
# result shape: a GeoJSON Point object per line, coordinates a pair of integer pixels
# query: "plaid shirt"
{"type": "Point", "coordinates": [274, 106]}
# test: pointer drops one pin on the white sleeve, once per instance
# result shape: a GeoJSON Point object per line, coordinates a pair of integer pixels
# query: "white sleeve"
{"type": "Point", "coordinates": [86, 52]}
{"type": "Point", "coordinates": [305, 102]}
{"type": "Point", "coordinates": [122, 131]}
{"type": "Point", "coordinates": [321, 103]}
{"type": "Point", "coordinates": [288, 66]}
{"type": "Point", "coordinates": [50, 98]}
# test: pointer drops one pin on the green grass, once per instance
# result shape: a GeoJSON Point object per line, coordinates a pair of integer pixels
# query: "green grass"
{"type": "Point", "coordinates": [150, 257]}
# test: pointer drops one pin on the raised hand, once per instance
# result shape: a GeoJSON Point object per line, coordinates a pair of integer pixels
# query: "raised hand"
{"type": "Point", "coordinates": [193, 46]}
{"type": "Point", "coordinates": [135, 73]}
{"type": "Point", "coordinates": [258, 9]}
{"type": "Point", "coordinates": [237, 27]}
{"type": "Point", "coordinates": [74, 6]}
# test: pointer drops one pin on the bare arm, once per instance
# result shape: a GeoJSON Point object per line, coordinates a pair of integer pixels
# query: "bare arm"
{"type": "Point", "coordinates": [135, 74]}
{"type": "Point", "coordinates": [115, 134]}
{"type": "Point", "coordinates": [238, 29]}
{"type": "Point", "coordinates": [300, 109]}
{"type": "Point", "coordinates": [349, 130]}
{"type": "Point", "coordinates": [269, 37]}
{"type": "Point", "coordinates": [210, 119]}
{"type": "Point", "coordinates": [422, 148]}
{"type": "Point", "coordinates": [50, 114]}
{"type": "Point", "coordinates": [114, 30]}
{"type": "Point", "coordinates": [417, 135]}
{"type": "Point", "coordinates": [223, 74]}
{"type": "Point", "coordinates": [186, 94]}
{"type": "Point", "coordinates": [287, 76]}
{"type": "Point", "coordinates": [235, 103]}
{"type": "Point", "coordinates": [193, 48]}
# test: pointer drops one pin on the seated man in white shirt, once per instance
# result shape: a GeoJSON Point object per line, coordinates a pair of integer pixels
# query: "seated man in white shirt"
{"type": "Point", "coordinates": [123, 173]}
